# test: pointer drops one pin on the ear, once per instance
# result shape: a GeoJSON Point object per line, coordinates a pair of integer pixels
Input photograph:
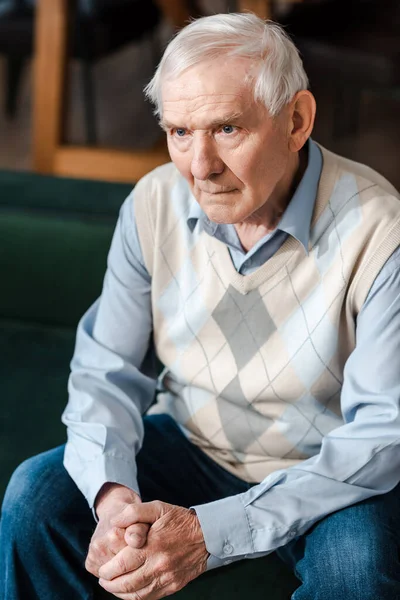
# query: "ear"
{"type": "Point", "coordinates": [302, 111]}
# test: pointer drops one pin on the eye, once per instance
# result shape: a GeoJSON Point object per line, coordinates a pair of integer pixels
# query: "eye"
{"type": "Point", "coordinates": [180, 132]}
{"type": "Point", "coordinates": [228, 129]}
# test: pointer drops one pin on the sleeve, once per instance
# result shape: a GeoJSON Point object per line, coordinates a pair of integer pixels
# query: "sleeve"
{"type": "Point", "coordinates": [358, 460]}
{"type": "Point", "coordinates": [108, 387]}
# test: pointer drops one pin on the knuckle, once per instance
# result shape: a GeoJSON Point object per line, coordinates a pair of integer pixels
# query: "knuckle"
{"type": "Point", "coordinates": [174, 586]}
{"type": "Point", "coordinates": [131, 509]}
{"type": "Point", "coordinates": [126, 587]}
{"type": "Point", "coordinates": [164, 580]}
{"type": "Point", "coordinates": [157, 584]}
{"type": "Point", "coordinates": [96, 547]}
{"type": "Point", "coordinates": [90, 566]}
{"type": "Point", "coordinates": [114, 535]}
{"type": "Point", "coordinates": [140, 557]}
{"type": "Point", "coordinates": [163, 564]}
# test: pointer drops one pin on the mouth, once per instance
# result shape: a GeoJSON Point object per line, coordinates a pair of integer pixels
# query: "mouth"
{"type": "Point", "coordinates": [218, 192]}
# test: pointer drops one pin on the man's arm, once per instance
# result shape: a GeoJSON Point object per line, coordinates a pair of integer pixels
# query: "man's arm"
{"type": "Point", "coordinates": [357, 460]}
{"type": "Point", "coordinates": [108, 393]}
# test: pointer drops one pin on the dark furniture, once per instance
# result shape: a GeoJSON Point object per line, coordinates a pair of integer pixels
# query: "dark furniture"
{"type": "Point", "coordinates": [52, 155]}
{"type": "Point", "coordinates": [99, 28]}
{"type": "Point", "coordinates": [54, 239]}
{"type": "Point", "coordinates": [351, 47]}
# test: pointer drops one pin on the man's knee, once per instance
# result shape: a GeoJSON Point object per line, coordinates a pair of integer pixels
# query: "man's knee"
{"type": "Point", "coordinates": [31, 494]}
{"type": "Point", "coordinates": [355, 562]}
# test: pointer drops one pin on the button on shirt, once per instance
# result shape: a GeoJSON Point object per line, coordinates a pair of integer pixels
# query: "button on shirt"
{"type": "Point", "coordinates": [108, 364]}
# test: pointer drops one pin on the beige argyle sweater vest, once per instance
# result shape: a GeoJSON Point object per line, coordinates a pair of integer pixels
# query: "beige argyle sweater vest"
{"type": "Point", "coordinates": [254, 364]}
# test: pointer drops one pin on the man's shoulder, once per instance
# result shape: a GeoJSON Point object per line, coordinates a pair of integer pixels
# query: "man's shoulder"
{"type": "Point", "coordinates": [366, 175]}
{"type": "Point", "coordinates": [160, 185]}
{"type": "Point", "coordinates": [165, 175]}
{"type": "Point", "coordinates": [162, 199]}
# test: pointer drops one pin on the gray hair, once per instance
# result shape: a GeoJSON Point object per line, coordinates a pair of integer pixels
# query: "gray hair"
{"type": "Point", "coordinates": [280, 75]}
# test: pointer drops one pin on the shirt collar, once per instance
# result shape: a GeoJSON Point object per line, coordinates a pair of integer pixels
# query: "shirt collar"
{"type": "Point", "coordinates": [296, 219]}
{"type": "Point", "coordinates": [196, 215]}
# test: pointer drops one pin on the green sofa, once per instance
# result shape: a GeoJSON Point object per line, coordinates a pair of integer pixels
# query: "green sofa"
{"type": "Point", "coordinates": [54, 238]}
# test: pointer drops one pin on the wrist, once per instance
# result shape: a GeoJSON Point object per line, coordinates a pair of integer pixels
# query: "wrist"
{"type": "Point", "coordinates": [199, 529]}
{"type": "Point", "coordinates": [113, 497]}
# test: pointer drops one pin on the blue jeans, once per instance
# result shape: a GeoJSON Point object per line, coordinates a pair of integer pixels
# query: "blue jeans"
{"type": "Point", "coordinates": [46, 526]}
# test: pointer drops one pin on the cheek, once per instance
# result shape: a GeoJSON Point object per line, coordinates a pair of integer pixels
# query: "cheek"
{"type": "Point", "coordinates": [239, 165]}
{"type": "Point", "coordinates": [264, 170]}
{"type": "Point", "coordinates": [182, 162]}
{"type": "Point", "coordinates": [248, 169]}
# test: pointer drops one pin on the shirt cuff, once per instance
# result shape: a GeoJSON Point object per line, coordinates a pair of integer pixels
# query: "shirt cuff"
{"type": "Point", "coordinates": [106, 468]}
{"type": "Point", "coordinates": [226, 530]}
{"type": "Point", "coordinates": [214, 562]}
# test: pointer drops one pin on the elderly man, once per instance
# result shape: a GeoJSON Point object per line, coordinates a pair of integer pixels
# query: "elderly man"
{"type": "Point", "coordinates": [263, 273]}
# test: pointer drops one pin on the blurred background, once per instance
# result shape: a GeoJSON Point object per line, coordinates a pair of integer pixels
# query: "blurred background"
{"type": "Point", "coordinates": [350, 49]}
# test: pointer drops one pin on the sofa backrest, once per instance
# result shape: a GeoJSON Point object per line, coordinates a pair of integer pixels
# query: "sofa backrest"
{"type": "Point", "coordinates": [55, 234]}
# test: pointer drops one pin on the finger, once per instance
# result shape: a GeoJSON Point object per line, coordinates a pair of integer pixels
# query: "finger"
{"type": "Point", "coordinates": [108, 544]}
{"type": "Point", "coordinates": [114, 539]}
{"type": "Point", "coordinates": [104, 548]}
{"type": "Point", "coordinates": [131, 582]}
{"type": "Point", "coordinates": [150, 592]}
{"type": "Point", "coordinates": [124, 562]}
{"type": "Point", "coordinates": [141, 595]}
{"type": "Point", "coordinates": [98, 555]}
{"type": "Point", "coordinates": [147, 593]}
{"type": "Point", "coordinates": [136, 535]}
{"type": "Point", "coordinates": [147, 512]}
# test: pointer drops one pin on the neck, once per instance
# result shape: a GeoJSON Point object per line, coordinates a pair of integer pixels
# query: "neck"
{"type": "Point", "coordinates": [268, 216]}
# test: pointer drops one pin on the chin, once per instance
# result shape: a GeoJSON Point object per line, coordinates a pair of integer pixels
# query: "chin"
{"type": "Point", "coordinates": [223, 215]}
{"type": "Point", "coordinates": [219, 211]}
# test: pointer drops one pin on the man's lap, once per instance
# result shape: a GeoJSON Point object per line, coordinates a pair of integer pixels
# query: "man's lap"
{"type": "Point", "coordinates": [363, 537]}
{"type": "Point", "coordinates": [355, 549]}
{"type": "Point", "coordinates": [372, 524]}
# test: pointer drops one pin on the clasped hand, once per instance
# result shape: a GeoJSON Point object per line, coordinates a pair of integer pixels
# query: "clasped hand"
{"type": "Point", "coordinates": [156, 549]}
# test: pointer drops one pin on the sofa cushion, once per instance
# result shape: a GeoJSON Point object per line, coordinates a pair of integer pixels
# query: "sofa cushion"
{"type": "Point", "coordinates": [52, 268]}
{"type": "Point", "coordinates": [34, 369]}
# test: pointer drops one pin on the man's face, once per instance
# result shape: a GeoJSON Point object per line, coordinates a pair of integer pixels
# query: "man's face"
{"type": "Point", "coordinates": [233, 154]}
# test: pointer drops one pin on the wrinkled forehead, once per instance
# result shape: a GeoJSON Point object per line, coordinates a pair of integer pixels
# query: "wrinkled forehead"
{"type": "Point", "coordinates": [229, 79]}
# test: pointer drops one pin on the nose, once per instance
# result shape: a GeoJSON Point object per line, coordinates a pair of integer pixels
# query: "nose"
{"type": "Point", "coordinates": [205, 158]}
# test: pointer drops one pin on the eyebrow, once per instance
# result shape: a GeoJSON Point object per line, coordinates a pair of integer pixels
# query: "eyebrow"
{"type": "Point", "coordinates": [227, 120]}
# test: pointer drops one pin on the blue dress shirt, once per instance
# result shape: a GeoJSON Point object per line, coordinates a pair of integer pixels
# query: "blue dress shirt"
{"type": "Point", "coordinates": [110, 387]}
